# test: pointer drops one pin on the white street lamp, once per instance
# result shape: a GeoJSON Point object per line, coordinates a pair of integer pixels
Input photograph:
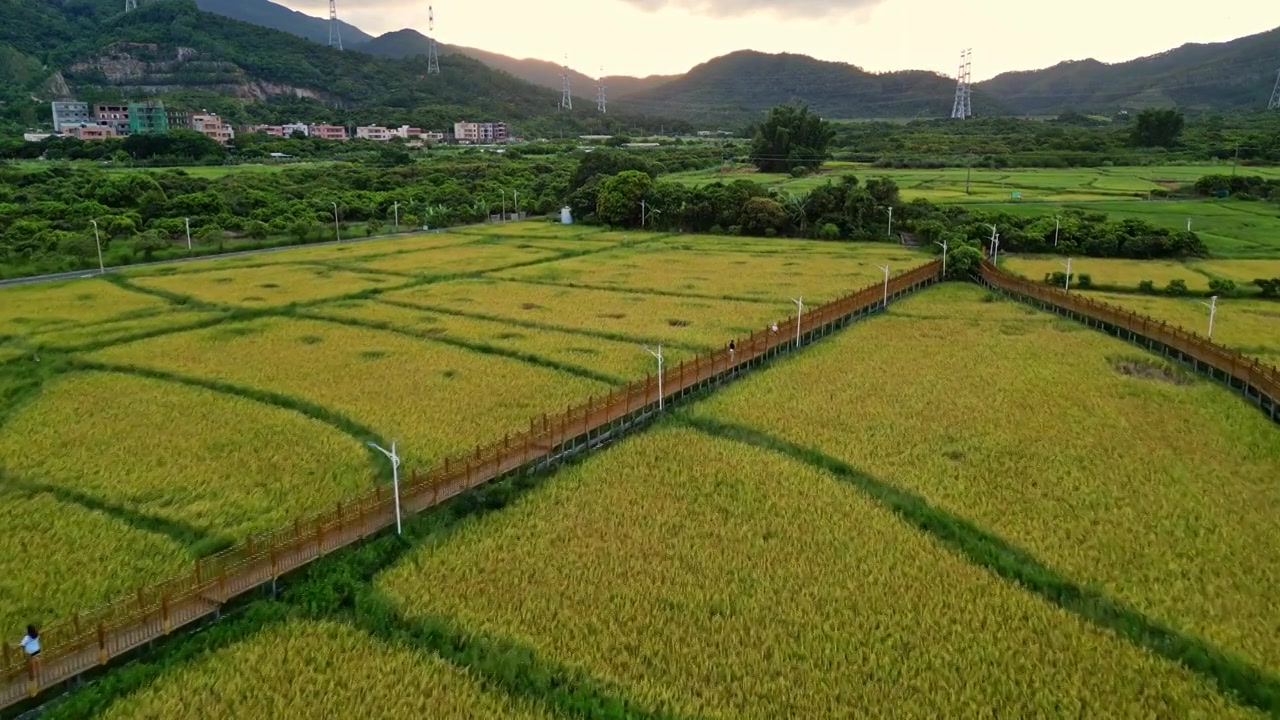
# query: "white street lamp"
{"type": "Point", "coordinates": [1067, 284]}
{"type": "Point", "coordinates": [187, 222]}
{"type": "Point", "coordinates": [993, 238]}
{"type": "Point", "coordinates": [395, 476]}
{"type": "Point", "coordinates": [799, 314]}
{"type": "Point", "coordinates": [97, 240]}
{"type": "Point", "coordinates": [657, 355]}
{"type": "Point", "coordinates": [944, 257]}
{"type": "Point", "coordinates": [395, 207]}
{"type": "Point", "coordinates": [516, 195]}
{"type": "Point", "coordinates": [890, 221]}
{"type": "Point", "coordinates": [1057, 225]}
{"type": "Point", "coordinates": [885, 268]}
{"type": "Point", "coordinates": [504, 205]}
{"type": "Point", "coordinates": [337, 232]}
{"type": "Point", "coordinates": [1213, 310]}
{"type": "Point", "coordinates": [995, 250]}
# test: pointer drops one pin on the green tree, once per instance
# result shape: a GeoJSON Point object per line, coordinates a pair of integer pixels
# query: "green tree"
{"type": "Point", "coordinates": [148, 243]}
{"type": "Point", "coordinates": [963, 262]}
{"type": "Point", "coordinates": [760, 215]}
{"type": "Point", "coordinates": [791, 137]}
{"type": "Point", "coordinates": [257, 230]}
{"type": "Point", "coordinates": [1157, 128]}
{"type": "Point", "coordinates": [619, 200]}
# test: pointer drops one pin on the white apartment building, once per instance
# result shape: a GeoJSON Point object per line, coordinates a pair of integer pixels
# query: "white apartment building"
{"type": "Point", "coordinates": [480, 132]}
{"type": "Point", "coordinates": [292, 128]}
{"type": "Point", "coordinates": [70, 113]}
{"type": "Point", "coordinates": [374, 132]}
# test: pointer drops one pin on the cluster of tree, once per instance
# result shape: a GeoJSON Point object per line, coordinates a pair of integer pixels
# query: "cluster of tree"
{"type": "Point", "coordinates": [1241, 187]}
{"type": "Point", "coordinates": [47, 215]}
{"type": "Point", "coordinates": [1069, 140]}
{"type": "Point", "coordinates": [850, 209]}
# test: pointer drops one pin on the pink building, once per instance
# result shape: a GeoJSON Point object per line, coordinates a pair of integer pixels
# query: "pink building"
{"type": "Point", "coordinates": [328, 132]}
{"type": "Point", "coordinates": [91, 132]}
{"type": "Point", "coordinates": [272, 130]}
{"type": "Point", "coordinates": [374, 132]}
{"type": "Point", "coordinates": [212, 126]}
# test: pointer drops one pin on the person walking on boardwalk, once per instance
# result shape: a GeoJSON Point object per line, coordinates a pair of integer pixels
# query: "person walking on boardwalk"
{"type": "Point", "coordinates": [731, 347]}
{"type": "Point", "coordinates": [31, 644]}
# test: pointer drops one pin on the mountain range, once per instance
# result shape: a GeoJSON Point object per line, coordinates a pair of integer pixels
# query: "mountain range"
{"type": "Point", "coordinates": [1230, 75]}
{"type": "Point", "coordinates": [256, 60]}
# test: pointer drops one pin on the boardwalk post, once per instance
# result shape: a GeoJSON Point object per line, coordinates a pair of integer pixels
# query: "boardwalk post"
{"type": "Point", "coordinates": [199, 571]}
{"type": "Point", "coordinates": [102, 644]}
{"type": "Point", "coordinates": [33, 687]}
{"type": "Point", "coordinates": [319, 537]}
{"type": "Point", "coordinates": [164, 614]}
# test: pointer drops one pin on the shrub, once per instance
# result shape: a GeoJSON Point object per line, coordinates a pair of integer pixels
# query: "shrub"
{"type": "Point", "coordinates": [1147, 286]}
{"type": "Point", "coordinates": [1084, 281]}
{"type": "Point", "coordinates": [1218, 286]}
{"type": "Point", "coordinates": [1177, 286]}
{"type": "Point", "coordinates": [1270, 287]}
{"type": "Point", "coordinates": [829, 232]}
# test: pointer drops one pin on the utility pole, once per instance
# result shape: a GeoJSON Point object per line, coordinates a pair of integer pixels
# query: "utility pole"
{"type": "Point", "coordinates": [962, 107]}
{"type": "Point", "coordinates": [1235, 161]}
{"type": "Point", "coordinates": [1275, 94]}
{"type": "Point", "coordinates": [566, 98]}
{"type": "Point", "coordinates": [433, 56]}
{"type": "Point", "coordinates": [601, 102]}
{"type": "Point", "coordinates": [335, 31]}
{"type": "Point", "coordinates": [337, 230]}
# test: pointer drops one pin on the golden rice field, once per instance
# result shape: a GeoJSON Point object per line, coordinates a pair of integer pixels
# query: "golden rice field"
{"type": "Point", "coordinates": [28, 310]}
{"type": "Point", "coordinates": [1158, 490]}
{"type": "Point", "coordinates": [623, 360]}
{"type": "Point", "coordinates": [1110, 271]}
{"type": "Point", "coordinates": [1248, 325]}
{"type": "Point", "coordinates": [319, 669]}
{"type": "Point", "coordinates": [145, 461]}
{"type": "Point", "coordinates": [436, 400]}
{"type": "Point", "coordinates": [715, 580]}
{"type": "Point", "coordinates": [694, 575]}
{"type": "Point", "coordinates": [267, 285]}
{"type": "Point", "coordinates": [808, 272]}
{"type": "Point", "coordinates": [1243, 272]}
{"type": "Point", "coordinates": [701, 322]}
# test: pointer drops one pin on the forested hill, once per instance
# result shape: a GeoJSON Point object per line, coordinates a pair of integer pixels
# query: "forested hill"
{"type": "Point", "coordinates": [744, 84]}
{"type": "Point", "coordinates": [1235, 75]}
{"type": "Point", "coordinates": [279, 17]}
{"type": "Point", "coordinates": [250, 72]}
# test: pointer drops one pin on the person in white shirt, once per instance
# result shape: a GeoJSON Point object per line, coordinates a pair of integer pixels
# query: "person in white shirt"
{"type": "Point", "coordinates": [31, 643]}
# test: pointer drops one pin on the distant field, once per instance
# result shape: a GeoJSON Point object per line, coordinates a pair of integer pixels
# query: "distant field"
{"type": "Point", "coordinates": [209, 171]}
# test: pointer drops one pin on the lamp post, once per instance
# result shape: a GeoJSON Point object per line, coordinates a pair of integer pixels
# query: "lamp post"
{"type": "Point", "coordinates": [187, 222]}
{"type": "Point", "coordinates": [395, 208]}
{"type": "Point", "coordinates": [97, 240]}
{"type": "Point", "coordinates": [1067, 284]}
{"type": "Point", "coordinates": [395, 476]}
{"type": "Point", "coordinates": [885, 268]}
{"type": "Point", "coordinates": [658, 355]}
{"type": "Point", "coordinates": [890, 233]}
{"type": "Point", "coordinates": [1057, 225]}
{"type": "Point", "coordinates": [944, 257]}
{"type": "Point", "coordinates": [337, 231]}
{"type": "Point", "coordinates": [799, 314]}
{"type": "Point", "coordinates": [515, 194]}
{"type": "Point", "coordinates": [995, 250]}
{"type": "Point", "coordinates": [504, 205]}
{"type": "Point", "coordinates": [1213, 310]}
{"type": "Point", "coordinates": [993, 236]}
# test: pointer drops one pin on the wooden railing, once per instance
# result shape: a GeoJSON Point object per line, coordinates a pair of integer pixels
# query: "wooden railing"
{"type": "Point", "coordinates": [1258, 381]}
{"type": "Point", "coordinates": [91, 639]}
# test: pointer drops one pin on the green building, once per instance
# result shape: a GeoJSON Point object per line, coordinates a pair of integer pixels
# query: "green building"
{"type": "Point", "coordinates": [148, 118]}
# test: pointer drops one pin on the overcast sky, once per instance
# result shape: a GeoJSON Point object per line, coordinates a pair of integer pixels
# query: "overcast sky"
{"type": "Point", "coordinates": [643, 37]}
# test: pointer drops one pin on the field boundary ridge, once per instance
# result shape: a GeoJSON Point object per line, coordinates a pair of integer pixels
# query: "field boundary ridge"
{"type": "Point", "coordinates": [1257, 381]}
{"type": "Point", "coordinates": [89, 640]}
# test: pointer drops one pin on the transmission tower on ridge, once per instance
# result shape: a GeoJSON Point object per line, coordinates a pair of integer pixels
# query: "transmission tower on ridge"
{"type": "Point", "coordinates": [433, 56]}
{"type": "Point", "coordinates": [963, 107]}
{"type": "Point", "coordinates": [601, 101]}
{"type": "Point", "coordinates": [566, 99]}
{"type": "Point", "coordinates": [335, 31]}
{"type": "Point", "coordinates": [1275, 94]}
{"type": "Point", "coordinates": [130, 5]}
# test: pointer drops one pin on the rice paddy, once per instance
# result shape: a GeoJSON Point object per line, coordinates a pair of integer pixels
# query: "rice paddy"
{"type": "Point", "coordinates": [941, 511]}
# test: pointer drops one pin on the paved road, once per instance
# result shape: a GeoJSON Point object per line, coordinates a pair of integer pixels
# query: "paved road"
{"type": "Point", "coordinates": [239, 253]}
